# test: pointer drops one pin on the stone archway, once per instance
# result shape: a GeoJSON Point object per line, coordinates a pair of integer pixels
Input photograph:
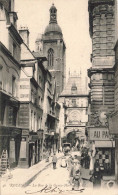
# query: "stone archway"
{"type": "Point", "coordinates": [71, 137]}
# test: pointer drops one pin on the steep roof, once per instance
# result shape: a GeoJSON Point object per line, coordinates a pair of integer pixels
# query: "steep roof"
{"type": "Point", "coordinates": [76, 85]}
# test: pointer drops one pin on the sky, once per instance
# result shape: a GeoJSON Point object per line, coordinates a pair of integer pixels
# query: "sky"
{"type": "Point", "coordinates": [72, 17]}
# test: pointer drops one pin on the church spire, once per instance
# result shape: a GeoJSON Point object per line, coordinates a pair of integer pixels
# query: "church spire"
{"type": "Point", "coordinates": [53, 14]}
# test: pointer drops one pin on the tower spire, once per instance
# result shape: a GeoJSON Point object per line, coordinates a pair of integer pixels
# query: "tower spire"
{"type": "Point", "coordinates": [53, 14]}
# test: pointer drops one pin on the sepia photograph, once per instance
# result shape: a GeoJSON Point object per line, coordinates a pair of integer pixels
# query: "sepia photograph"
{"type": "Point", "coordinates": [58, 97]}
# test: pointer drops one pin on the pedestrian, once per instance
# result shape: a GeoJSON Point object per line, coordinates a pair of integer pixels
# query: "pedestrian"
{"type": "Point", "coordinates": [69, 163]}
{"type": "Point", "coordinates": [83, 159]}
{"type": "Point", "coordinates": [97, 177]}
{"type": "Point", "coordinates": [87, 161]}
{"type": "Point", "coordinates": [76, 175]}
{"type": "Point", "coordinates": [71, 171]}
{"type": "Point", "coordinates": [91, 165]}
{"type": "Point", "coordinates": [47, 156]}
{"type": "Point", "coordinates": [54, 161]}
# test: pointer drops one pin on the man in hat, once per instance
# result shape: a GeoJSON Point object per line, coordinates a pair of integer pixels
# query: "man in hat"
{"type": "Point", "coordinates": [54, 161]}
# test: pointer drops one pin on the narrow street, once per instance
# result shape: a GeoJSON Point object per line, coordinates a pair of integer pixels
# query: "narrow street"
{"type": "Point", "coordinates": [53, 181]}
{"type": "Point", "coordinates": [58, 97]}
{"type": "Point", "coordinates": [56, 182]}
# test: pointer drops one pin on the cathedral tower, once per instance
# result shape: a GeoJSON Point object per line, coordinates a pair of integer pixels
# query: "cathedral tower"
{"type": "Point", "coordinates": [52, 45]}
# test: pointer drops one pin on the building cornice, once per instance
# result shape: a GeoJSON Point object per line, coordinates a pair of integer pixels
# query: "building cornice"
{"type": "Point", "coordinates": [92, 71]}
{"type": "Point", "coordinates": [80, 95]}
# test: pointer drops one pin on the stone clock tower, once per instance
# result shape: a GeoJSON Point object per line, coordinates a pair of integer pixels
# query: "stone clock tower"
{"type": "Point", "coordinates": [53, 47]}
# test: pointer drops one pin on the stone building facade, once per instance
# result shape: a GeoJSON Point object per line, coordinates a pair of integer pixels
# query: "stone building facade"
{"type": "Point", "coordinates": [113, 117]}
{"type": "Point", "coordinates": [29, 111]}
{"type": "Point", "coordinates": [101, 74]}
{"type": "Point", "coordinates": [52, 46]}
{"type": "Point", "coordinates": [74, 113]}
{"type": "Point", "coordinates": [31, 96]}
{"type": "Point", "coordinates": [51, 109]}
{"type": "Point", "coordinates": [10, 68]}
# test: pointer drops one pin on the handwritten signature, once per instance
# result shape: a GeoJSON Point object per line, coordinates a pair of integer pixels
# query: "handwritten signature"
{"type": "Point", "coordinates": [46, 189]}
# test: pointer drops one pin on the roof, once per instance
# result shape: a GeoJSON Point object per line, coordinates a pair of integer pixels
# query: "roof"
{"type": "Point", "coordinates": [76, 83]}
{"type": "Point", "coordinates": [38, 55]}
{"type": "Point", "coordinates": [39, 37]}
{"type": "Point", "coordinates": [53, 7]}
{"type": "Point", "coordinates": [53, 27]}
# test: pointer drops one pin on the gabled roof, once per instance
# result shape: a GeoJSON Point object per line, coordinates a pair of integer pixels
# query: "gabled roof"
{"type": "Point", "coordinates": [76, 83]}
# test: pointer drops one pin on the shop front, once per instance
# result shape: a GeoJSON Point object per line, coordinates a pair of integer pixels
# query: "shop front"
{"type": "Point", "coordinates": [49, 142]}
{"type": "Point", "coordinates": [113, 128]}
{"type": "Point", "coordinates": [10, 140]}
{"type": "Point", "coordinates": [35, 147]}
{"type": "Point", "coordinates": [104, 149]}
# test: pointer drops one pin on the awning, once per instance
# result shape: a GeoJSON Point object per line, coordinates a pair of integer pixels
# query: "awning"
{"type": "Point", "coordinates": [104, 144]}
{"type": "Point", "coordinates": [51, 116]}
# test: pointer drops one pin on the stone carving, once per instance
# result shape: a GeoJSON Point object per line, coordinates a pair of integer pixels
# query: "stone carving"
{"type": "Point", "coordinates": [100, 119]}
{"type": "Point", "coordinates": [96, 120]}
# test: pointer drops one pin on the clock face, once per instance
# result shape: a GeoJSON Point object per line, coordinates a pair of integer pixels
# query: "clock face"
{"type": "Point", "coordinates": [74, 116]}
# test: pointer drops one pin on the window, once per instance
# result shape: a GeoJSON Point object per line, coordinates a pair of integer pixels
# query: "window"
{"type": "Point", "coordinates": [13, 86]}
{"type": "Point", "coordinates": [81, 103]}
{"type": "Point", "coordinates": [0, 77]}
{"type": "Point", "coordinates": [74, 89]}
{"type": "Point", "coordinates": [73, 102]}
{"type": "Point", "coordinates": [50, 57]}
{"type": "Point", "coordinates": [34, 121]}
{"type": "Point", "coordinates": [12, 116]}
{"type": "Point", "coordinates": [31, 120]}
{"type": "Point", "coordinates": [14, 49]}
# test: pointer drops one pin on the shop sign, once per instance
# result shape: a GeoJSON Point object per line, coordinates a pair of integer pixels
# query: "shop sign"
{"type": "Point", "coordinates": [25, 132]}
{"type": "Point", "coordinates": [99, 134]}
{"type": "Point", "coordinates": [24, 86]}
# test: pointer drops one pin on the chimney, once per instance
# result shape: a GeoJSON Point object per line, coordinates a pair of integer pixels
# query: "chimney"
{"type": "Point", "coordinates": [12, 14]}
{"type": "Point", "coordinates": [12, 5]}
{"type": "Point", "coordinates": [24, 33]}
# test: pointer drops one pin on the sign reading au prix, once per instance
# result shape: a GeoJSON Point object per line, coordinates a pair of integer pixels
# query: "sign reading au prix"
{"type": "Point", "coordinates": [99, 134]}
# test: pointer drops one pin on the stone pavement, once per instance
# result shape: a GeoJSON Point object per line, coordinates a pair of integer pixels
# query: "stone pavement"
{"type": "Point", "coordinates": [23, 177]}
{"type": "Point", "coordinates": [105, 179]}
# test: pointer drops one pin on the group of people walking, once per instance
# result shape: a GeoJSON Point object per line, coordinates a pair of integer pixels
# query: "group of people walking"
{"type": "Point", "coordinates": [74, 168]}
